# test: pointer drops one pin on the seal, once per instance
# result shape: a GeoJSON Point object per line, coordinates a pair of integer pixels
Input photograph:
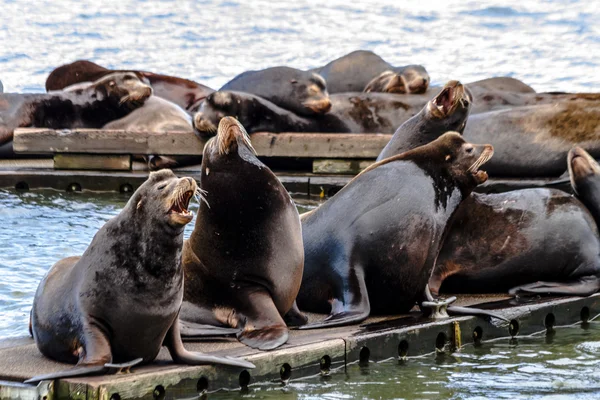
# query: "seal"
{"type": "Point", "coordinates": [350, 113]}
{"type": "Point", "coordinates": [1, 87]}
{"type": "Point", "coordinates": [109, 98]}
{"type": "Point", "coordinates": [363, 70]}
{"type": "Point", "coordinates": [303, 93]}
{"type": "Point", "coordinates": [120, 300]}
{"type": "Point", "coordinates": [371, 248]}
{"type": "Point", "coordinates": [448, 111]}
{"type": "Point", "coordinates": [533, 141]}
{"type": "Point", "coordinates": [523, 241]}
{"type": "Point", "coordinates": [243, 261]}
{"type": "Point", "coordinates": [584, 173]}
{"type": "Point", "coordinates": [185, 93]}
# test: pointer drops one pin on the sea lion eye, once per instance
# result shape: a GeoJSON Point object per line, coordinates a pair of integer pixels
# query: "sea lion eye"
{"type": "Point", "coordinates": [161, 187]}
{"type": "Point", "coordinates": [448, 157]}
{"type": "Point", "coordinates": [469, 150]}
{"type": "Point", "coordinates": [293, 81]}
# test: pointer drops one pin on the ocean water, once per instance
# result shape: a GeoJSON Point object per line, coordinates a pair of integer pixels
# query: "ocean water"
{"type": "Point", "coordinates": [551, 45]}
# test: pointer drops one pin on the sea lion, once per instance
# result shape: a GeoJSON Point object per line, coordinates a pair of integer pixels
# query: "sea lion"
{"type": "Point", "coordinates": [448, 111]}
{"type": "Point", "coordinates": [533, 141]}
{"type": "Point", "coordinates": [1, 87]}
{"type": "Point", "coordinates": [584, 173]}
{"type": "Point", "coordinates": [371, 248]}
{"type": "Point", "coordinates": [303, 93]}
{"type": "Point", "coordinates": [350, 113]}
{"type": "Point", "coordinates": [120, 300]}
{"type": "Point", "coordinates": [183, 92]}
{"type": "Point", "coordinates": [363, 70]}
{"type": "Point", "coordinates": [530, 240]}
{"type": "Point", "coordinates": [109, 98]}
{"type": "Point", "coordinates": [158, 115]}
{"type": "Point", "coordinates": [243, 261]}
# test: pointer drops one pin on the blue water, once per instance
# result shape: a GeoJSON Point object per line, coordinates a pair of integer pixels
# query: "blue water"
{"type": "Point", "coordinates": [551, 45]}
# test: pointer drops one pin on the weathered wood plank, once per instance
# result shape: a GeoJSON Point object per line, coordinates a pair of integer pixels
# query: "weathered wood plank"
{"type": "Point", "coordinates": [310, 145]}
{"type": "Point", "coordinates": [95, 162]}
{"type": "Point", "coordinates": [337, 166]}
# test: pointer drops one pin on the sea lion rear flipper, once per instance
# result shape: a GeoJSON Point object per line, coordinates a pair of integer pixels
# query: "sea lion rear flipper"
{"type": "Point", "coordinates": [263, 329]}
{"type": "Point", "coordinates": [181, 355]}
{"type": "Point", "coordinates": [475, 311]}
{"type": "Point", "coordinates": [294, 317]}
{"type": "Point", "coordinates": [69, 373]}
{"type": "Point", "coordinates": [193, 330]}
{"type": "Point", "coordinates": [585, 286]}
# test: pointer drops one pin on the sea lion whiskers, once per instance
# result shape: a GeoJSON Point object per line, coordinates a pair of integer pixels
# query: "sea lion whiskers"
{"type": "Point", "coordinates": [200, 196]}
{"type": "Point", "coordinates": [485, 156]}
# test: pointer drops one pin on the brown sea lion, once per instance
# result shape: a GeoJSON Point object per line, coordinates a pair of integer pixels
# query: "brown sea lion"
{"type": "Point", "coordinates": [303, 93]}
{"type": "Point", "coordinates": [365, 71]}
{"type": "Point", "coordinates": [243, 261]}
{"type": "Point", "coordinates": [448, 111]}
{"type": "Point", "coordinates": [120, 300]}
{"type": "Point", "coordinates": [183, 92]}
{"type": "Point", "coordinates": [371, 248]}
{"type": "Point", "coordinates": [533, 141]}
{"type": "Point", "coordinates": [109, 98]}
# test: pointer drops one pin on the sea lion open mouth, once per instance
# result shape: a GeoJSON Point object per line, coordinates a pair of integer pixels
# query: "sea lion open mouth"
{"type": "Point", "coordinates": [486, 154]}
{"type": "Point", "coordinates": [447, 101]}
{"type": "Point", "coordinates": [183, 193]}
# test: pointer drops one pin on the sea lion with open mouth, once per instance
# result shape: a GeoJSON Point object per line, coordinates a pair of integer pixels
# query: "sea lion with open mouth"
{"type": "Point", "coordinates": [119, 302]}
{"type": "Point", "coordinates": [371, 248]}
{"type": "Point", "coordinates": [243, 262]}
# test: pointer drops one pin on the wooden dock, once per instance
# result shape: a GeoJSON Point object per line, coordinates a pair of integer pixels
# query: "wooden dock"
{"type": "Point", "coordinates": [307, 354]}
{"type": "Point", "coordinates": [313, 165]}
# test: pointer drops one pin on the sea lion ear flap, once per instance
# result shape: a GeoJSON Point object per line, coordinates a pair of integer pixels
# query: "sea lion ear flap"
{"type": "Point", "coordinates": [448, 157]}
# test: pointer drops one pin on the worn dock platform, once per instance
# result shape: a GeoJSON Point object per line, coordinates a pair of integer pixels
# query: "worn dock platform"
{"type": "Point", "coordinates": [308, 353]}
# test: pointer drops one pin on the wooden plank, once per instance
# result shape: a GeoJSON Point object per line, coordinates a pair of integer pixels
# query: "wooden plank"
{"type": "Point", "coordinates": [337, 166]}
{"type": "Point", "coordinates": [95, 162]}
{"type": "Point", "coordinates": [309, 145]}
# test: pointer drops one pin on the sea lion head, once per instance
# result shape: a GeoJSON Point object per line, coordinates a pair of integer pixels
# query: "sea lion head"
{"type": "Point", "coordinates": [124, 87]}
{"type": "Point", "coordinates": [232, 142]}
{"type": "Point", "coordinates": [164, 198]}
{"type": "Point", "coordinates": [462, 159]}
{"type": "Point", "coordinates": [404, 80]}
{"type": "Point", "coordinates": [216, 106]}
{"type": "Point", "coordinates": [312, 94]}
{"type": "Point", "coordinates": [584, 172]}
{"type": "Point", "coordinates": [451, 105]}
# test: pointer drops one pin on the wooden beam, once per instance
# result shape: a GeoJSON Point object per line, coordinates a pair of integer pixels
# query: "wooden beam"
{"type": "Point", "coordinates": [94, 141]}
{"type": "Point", "coordinates": [95, 162]}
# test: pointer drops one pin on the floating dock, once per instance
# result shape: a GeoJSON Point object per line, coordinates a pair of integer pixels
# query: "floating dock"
{"type": "Point", "coordinates": [307, 354]}
{"type": "Point", "coordinates": [313, 165]}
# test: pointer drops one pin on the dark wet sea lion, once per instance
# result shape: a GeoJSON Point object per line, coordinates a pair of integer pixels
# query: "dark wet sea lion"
{"type": "Point", "coordinates": [371, 248]}
{"type": "Point", "coordinates": [350, 113]}
{"type": "Point", "coordinates": [1, 87]}
{"type": "Point", "coordinates": [183, 92]}
{"type": "Point", "coordinates": [531, 240]}
{"type": "Point", "coordinates": [533, 141]}
{"type": "Point", "coordinates": [301, 92]}
{"type": "Point", "coordinates": [364, 70]}
{"type": "Point", "coordinates": [109, 98]}
{"type": "Point", "coordinates": [120, 300]}
{"type": "Point", "coordinates": [448, 111]}
{"type": "Point", "coordinates": [584, 173]}
{"type": "Point", "coordinates": [243, 262]}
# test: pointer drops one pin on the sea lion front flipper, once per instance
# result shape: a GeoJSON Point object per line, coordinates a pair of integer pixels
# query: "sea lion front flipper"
{"type": "Point", "coordinates": [183, 356]}
{"type": "Point", "coordinates": [263, 327]}
{"type": "Point", "coordinates": [194, 330]}
{"type": "Point", "coordinates": [585, 286]}
{"type": "Point", "coordinates": [353, 308]}
{"type": "Point", "coordinates": [294, 317]}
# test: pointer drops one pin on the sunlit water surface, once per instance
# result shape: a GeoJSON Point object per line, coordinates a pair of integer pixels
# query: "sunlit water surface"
{"type": "Point", "coordinates": [549, 45]}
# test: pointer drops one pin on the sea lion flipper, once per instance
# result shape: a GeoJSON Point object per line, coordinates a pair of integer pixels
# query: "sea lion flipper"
{"type": "Point", "coordinates": [341, 319]}
{"type": "Point", "coordinates": [294, 317]}
{"type": "Point", "coordinates": [264, 328]}
{"type": "Point", "coordinates": [585, 286]}
{"type": "Point", "coordinates": [181, 355]}
{"type": "Point", "coordinates": [69, 373]}
{"type": "Point", "coordinates": [193, 330]}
